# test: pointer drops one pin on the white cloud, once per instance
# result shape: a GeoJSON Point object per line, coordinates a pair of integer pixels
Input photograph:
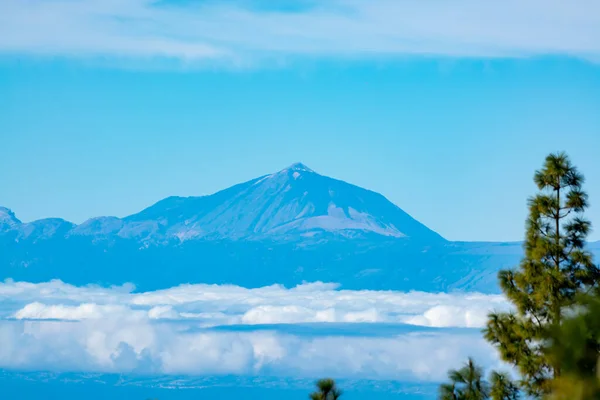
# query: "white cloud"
{"type": "Point", "coordinates": [189, 329]}
{"type": "Point", "coordinates": [122, 345]}
{"type": "Point", "coordinates": [57, 290]}
{"type": "Point", "coordinates": [38, 310]}
{"type": "Point", "coordinates": [474, 316]}
{"type": "Point", "coordinates": [214, 305]}
{"type": "Point", "coordinates": [233, 33]}
{"type": "Point", "coordinates": [163, 312]}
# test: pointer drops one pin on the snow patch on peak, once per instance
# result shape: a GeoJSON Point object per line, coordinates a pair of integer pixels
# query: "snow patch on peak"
{"type": "Point", "coordinates": [335, 211]}
{"type": "Point", "coordinates": [261, 180]}
{"type": "Point", "coordinates": [336, 219]}
{"type": "Point", "coordinates": [299, 167]}
{"type": "Point", "coordinates": [294, 171]}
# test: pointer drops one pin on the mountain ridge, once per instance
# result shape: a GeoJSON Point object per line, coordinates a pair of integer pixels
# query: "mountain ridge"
{"type": "Point", "coordinates": [286, 228]}
{"type": "Point", "coordinates": [295, 201]}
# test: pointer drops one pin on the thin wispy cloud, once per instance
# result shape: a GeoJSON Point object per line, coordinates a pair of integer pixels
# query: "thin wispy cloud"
{"type": "Point", "coordinates": [248, 32]}
{"type": "Point", "coordinates": [226, 329]}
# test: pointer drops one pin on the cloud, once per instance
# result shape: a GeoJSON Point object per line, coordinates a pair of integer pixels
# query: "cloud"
{"type": "Point", "coordinates": [243, 32]}
{"type": "Point", "coordinates": [474, 316]}
{"type": "Point", "coordinates": [226, 329]}
{"type": "Point", "coordinates": [57, 290]}
{"type": "Point", "coordinates": [215, 305]}
{"type": "Point", "coordinates": [125, 346]}
{"type": "Point", "coordinates": [38, 310]}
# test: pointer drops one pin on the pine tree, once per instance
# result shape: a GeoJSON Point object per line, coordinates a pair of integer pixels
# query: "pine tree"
{"type": "Point", "coordinates": [555, 269]}
{"type": "Point", "coordinates": [466, 383]}
{"type": "Point", "coordinates": [326, 390]}
{"type": "Point", "coordinates": [449, 391]}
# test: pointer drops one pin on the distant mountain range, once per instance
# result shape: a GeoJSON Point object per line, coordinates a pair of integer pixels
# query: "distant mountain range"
{"type": "Point", "coordinates": [288, 227]}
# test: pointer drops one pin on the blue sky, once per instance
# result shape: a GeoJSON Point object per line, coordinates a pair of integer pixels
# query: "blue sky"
{"type": "Point", "coordinates": [107, 107]}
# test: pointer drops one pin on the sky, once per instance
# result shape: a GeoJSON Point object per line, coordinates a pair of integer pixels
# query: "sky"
{"type": "Point", "coordinates": [446, 108]}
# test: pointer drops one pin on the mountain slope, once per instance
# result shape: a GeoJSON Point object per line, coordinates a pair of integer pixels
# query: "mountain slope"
{"type": "Point", "coordinates": [291, 204]}
{"type": "Point", "coordinates": [8, 220]}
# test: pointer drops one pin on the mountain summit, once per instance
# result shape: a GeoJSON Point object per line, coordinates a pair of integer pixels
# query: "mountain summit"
{"type": "Point", "coordinates": [293, 203]}
{"type": "Point", "coordinates": [299, 167]}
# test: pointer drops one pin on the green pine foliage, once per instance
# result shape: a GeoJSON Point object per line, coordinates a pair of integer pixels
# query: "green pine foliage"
{"type": "Point", "coordinates": [575, 344]}
{"type": "Point", "coordinates": [468, 383]}
{"type": "Point", "coordinates": [326, 390]}
{"type": "Point", "coordinates": [555, 270]}
{"type": "Point", "coordinates": [502, 387]}
{"type": "Point", "coordinates": [553, 335]}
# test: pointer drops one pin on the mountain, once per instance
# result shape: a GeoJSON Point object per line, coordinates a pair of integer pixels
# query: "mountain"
{"type": "Point", "coordinates": [291, 204]}
{"type": "Point", "coordinates": [40, 229]}
{"type": "Point", "coordinates": [8, 220]}
{"type": "Point", "coordinates": [287, 227]}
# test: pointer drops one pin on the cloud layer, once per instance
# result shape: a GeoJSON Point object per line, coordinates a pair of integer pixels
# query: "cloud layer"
{"type": "Point", "coordinates": [129, 345]}
{"type": "Point", "coordinates": [218, 305]}
{"type": "Point", "coordinates": [242, 32]}
{"type": "Point", "coordinates": [212, 329]}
